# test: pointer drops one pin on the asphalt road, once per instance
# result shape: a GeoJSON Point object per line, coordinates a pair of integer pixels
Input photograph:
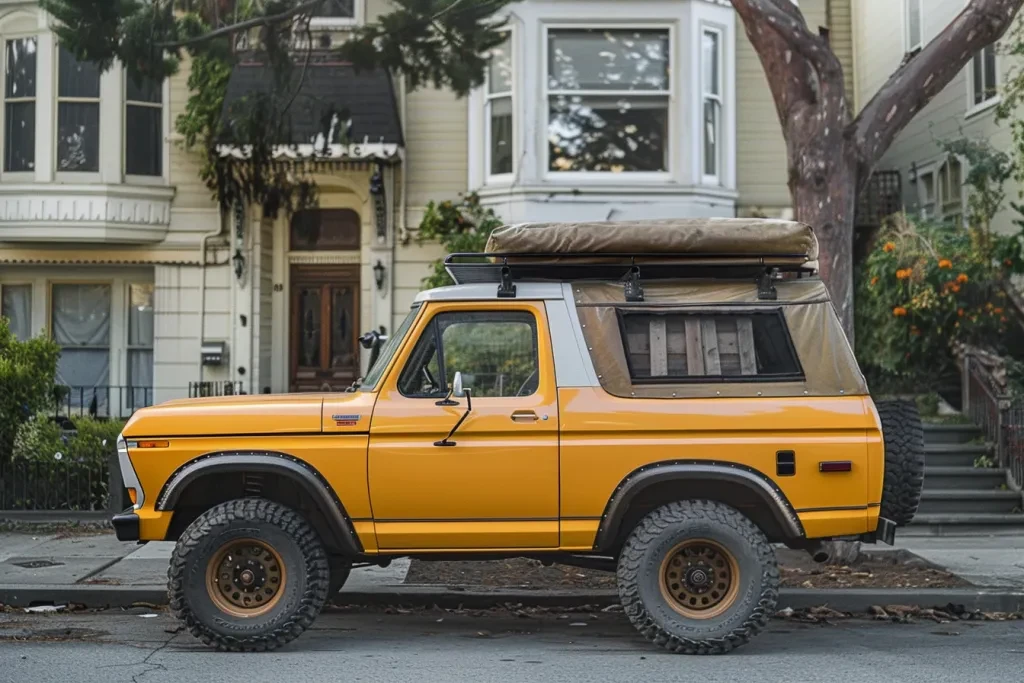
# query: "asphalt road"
{"type": "Point", "coordinates": [433, 645]}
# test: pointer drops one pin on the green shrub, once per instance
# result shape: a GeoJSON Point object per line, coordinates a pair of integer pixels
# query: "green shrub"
{"type": "Point", "coordinates": [90, 444]}
{"type": "Point", "coordinates": [924, 288]}
{"type": "Point", "coordinates": [27, 372]}
{"type": "Point", "coordinates": [460, 227]}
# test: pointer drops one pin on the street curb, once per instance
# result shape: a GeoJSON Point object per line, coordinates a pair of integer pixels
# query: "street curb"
{"type": "Point", "coordinates": [854, 600]}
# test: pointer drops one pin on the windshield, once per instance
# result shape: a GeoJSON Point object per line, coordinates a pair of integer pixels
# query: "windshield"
{"type": "Point", "coordinates": [388, 351]}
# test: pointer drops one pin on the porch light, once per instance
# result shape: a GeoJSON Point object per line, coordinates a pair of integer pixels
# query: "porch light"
{"type": "Point", "coordinates": [378, 275]}
{"type": "Point", "coordinates": [239, 262]}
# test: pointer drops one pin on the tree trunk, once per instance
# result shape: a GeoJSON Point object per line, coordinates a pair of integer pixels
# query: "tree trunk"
{"type": "Point", "coordinates": [823, 185]}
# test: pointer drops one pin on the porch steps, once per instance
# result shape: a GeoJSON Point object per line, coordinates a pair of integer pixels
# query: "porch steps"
{"type": "Point", "coordinates": [958, 497]}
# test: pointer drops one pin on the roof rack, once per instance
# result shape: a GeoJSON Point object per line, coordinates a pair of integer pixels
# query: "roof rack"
{"type": "Point", "coordinates": [505, 269]}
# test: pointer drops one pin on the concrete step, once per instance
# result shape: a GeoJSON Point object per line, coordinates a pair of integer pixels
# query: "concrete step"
{"type": "Point", "coordinates": [946, 478]}
{"type": "Point", "coordinates": [955, 454]}
{"type": "Point", "coordinates": [969, 501]}
{"type": "Point", "coordinates": [950, 433]}
{"type": "Point", "coordinates": [964, 525]}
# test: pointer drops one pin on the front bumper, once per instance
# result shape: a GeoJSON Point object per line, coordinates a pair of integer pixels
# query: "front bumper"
{"type": "Point", "coordinates": [126, 525]}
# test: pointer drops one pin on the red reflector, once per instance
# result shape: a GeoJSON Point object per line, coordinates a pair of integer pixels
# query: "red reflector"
{"type": "Point", "coordinates": [835, 466]}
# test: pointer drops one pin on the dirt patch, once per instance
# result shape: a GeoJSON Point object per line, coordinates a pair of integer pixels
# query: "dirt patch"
{"type": "Point", "coordinates": [797, 569]}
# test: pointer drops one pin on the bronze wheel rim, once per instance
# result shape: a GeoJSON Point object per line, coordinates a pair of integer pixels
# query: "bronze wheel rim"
{"type": "Point", "coordinates": [699, 579]}
{"type": "Point", "coordinates": [245, 578]}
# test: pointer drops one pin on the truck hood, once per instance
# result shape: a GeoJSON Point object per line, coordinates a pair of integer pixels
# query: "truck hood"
{"type": "Point", "coordinates": [251, 415]}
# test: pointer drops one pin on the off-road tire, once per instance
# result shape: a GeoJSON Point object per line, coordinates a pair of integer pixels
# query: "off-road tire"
{"type": "Point", "coordinates": [639, 577]}
{"type": "Point", "coordinates": [303, 592]}
{"type": "Point", "coordinates": [903, 435]}
{"type": "Point", "coordinates": [341, 569]}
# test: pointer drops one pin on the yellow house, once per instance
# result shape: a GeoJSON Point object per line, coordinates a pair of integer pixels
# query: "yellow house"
{"type": "Point", "coordinates": [604, 109]}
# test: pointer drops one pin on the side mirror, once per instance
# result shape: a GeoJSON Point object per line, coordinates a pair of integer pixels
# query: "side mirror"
{"type": "Point", "coordinates": [457, 389]}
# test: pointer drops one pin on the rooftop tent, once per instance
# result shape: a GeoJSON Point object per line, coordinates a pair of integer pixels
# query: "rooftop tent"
{"type": "Point", "coordinates": [690, 236]}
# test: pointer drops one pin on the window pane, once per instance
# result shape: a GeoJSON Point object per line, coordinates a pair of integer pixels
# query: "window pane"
{"type": "Point", "coordinates": [989, 55]}
{"type": "Point", "coordinates": [21, 68]}
{"type": "Point", "coordinates": [140, 315]}
{"type": "Point", "coordinates": [495, 352]}
{"type": "Point", "coordinates": [144, 141]}
{"type": "Point", "coordinates": [979, 80]}
{"type": "Point", "coordinates": [342, 330]}
{"type": "Point", "coordinates": [315, 229]}
{"type": "Point", "coordinates": [20, 137]}
{"type": "Point", "coordinates": [421, 376]}
{"type": "Point", "coordinates": [608, 134]}
{"type": "Point", "coordinates": [711, 65]}
{"type": "Point", "coordinates": [147, 90]}
{"type": "Point", "coordinates": [78, 136]}
{"type": "Point", "coordinates": [337, 8]}
{"type": "Point", "coordinates": [913, 23]}
{"type": "Point", "coordinates": [682, 345]}
{"type": "Point", "coordinates": [139, 392]}
{"type": "Point", "coordinates": [501, 135]}
{"type": "Point", "coordinates": [86, 372]}
{"type": "Point", "coordinates": [711, 127]}
{"type": "Point", "coordinates": [309, 327]}
{"type": "Point", "coordinates": [77, 79]}
{"type": "Point", "coordinates": [499, 74]}
{"type": "Point", "coordinates": [389, 349]}
{"type": "Point", "coordinates": [16, 306]}
{"type": "Point", "coordinates": [81, 314]}
{"type": "Point", "coordinates": [593, 59]}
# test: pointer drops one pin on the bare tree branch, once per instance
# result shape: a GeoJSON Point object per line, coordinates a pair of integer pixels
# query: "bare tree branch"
{"type": "Point", "coordinates": [785, 19]}
{"type": "Point", "coordinates": [269, 20]}
{"type": "Point", "coordinates": [922, 77]}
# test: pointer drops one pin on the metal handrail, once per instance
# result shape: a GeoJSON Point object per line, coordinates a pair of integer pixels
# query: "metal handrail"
{"type": "Point", "coordinates": [999, 415]}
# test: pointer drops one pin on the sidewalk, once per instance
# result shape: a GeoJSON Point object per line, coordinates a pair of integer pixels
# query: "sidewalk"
{"type": "Point", "coordinates": [99, 571]}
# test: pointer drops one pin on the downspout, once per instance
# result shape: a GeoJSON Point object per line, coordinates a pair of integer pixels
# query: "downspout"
{"type": "Point", "coordinates": [402, 225]}
{"type": "Point", "coordinates": [202, 287]}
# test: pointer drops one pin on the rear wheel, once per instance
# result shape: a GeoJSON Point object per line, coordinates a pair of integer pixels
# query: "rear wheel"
{"type": "Point", "coordinates": [248, 575]}
{"type": "Point", "coordinates": [697, 577]}
{"type": "Point", "coordinates": [903, 435]}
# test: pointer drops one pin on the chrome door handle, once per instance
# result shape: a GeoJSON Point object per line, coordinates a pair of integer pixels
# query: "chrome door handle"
{"type": "Point", "coordinates": [524, 416]}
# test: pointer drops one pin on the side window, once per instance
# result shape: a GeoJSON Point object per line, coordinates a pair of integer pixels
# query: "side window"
{"type": "Point", "coordinates": [496, 352]}
{"type": "Point", "coordinates": [680, 347]}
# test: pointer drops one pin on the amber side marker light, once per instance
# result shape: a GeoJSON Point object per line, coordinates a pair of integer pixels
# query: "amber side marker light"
{"type": "Point", "coordinates": [133, 496]}
{"type": "Point", "coordinates": [835, 466]}
{"type": "Point", "coordinates": [153, 444]}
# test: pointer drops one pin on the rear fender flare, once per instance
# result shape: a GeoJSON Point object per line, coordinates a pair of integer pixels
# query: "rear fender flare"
{"type": "Point", "coordinates": [641, 479]}
{"type": "Point", "coordinates": [270, 462]}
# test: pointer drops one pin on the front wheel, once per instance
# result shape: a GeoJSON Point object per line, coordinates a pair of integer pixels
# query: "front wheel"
{"type": "Point", "coordinates": [248, 575]}
{"type": "Point", "coordinates": [697, 577]}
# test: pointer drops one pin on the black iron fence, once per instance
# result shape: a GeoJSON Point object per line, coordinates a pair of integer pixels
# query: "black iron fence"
{"type": "Point", "coordinates": [60, 483]}
{"type": "Point", "coordinates": [203, 389]}
{"type": "Point", "coordinates": [1001, 417]}
{"type": "Point", "coordinates": [101, 401]}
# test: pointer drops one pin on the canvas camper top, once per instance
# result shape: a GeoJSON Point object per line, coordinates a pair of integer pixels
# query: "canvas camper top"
{"type": "Point", "coordinates": [718, 249]}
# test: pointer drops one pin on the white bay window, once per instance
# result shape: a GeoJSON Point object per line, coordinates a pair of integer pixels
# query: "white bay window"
{"type": "Point", "coordinates": [144, 128]}
{"type": "Point", "coordinates": [608, 100]}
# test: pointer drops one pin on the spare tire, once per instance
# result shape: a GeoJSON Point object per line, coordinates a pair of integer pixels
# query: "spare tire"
{"type": "Point", "coordinates": [903, 435]}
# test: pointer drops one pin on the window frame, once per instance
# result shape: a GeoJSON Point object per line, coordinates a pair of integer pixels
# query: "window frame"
{"type": "Point", "coordinates": [433, 327]}
{"type": "Point", "coordinates": [512, 96]}
{"type": "Point", "coordinates": [974, 108]}
{"type": "Point", "coordinates": [674, 132]}
{"type": "Point", "coordinates": [704, 312]}
{"type": "Point", "coordinates": [58, 99]}
{"type": "Point", "coordinates": [909, 46]}
{"type": "Point", "coordinates": [29, 174]}
{"type": "Point", "coordinates": [719, 98]}
{"type": "Point", "coordinates": [938, 200]}
{"type": "Point", "coordinates": [134, 178]}
{"type": "Point", "coordinates": [340, 23]}
{"type": "Point", "coordinates": [112, 367]}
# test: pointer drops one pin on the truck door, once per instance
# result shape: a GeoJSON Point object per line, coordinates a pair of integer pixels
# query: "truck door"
{"type": "Point", "coordinates": [494, 483]}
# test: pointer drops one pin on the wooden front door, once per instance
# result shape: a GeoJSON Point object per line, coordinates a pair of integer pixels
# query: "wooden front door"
{"type": "Point", "coordinates": [324, 327]}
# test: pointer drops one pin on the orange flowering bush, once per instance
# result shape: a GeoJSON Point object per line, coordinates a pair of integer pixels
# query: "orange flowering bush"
{"type": "Point", "coordinates": [923, 289]}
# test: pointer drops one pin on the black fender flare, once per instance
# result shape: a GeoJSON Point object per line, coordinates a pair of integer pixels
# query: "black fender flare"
{"type": "Point", "coordinates": [640, 479]}
{"type": "Point", "coordinates": [268, 462]}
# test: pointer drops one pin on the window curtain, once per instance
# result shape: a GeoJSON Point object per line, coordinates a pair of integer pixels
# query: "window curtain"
{"type": "Point", "coordinates": [16, 306]}
{"type": "Point", "coordinates": [81, 325]}
{"type": "Point", "coordinates": [140, 342]}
